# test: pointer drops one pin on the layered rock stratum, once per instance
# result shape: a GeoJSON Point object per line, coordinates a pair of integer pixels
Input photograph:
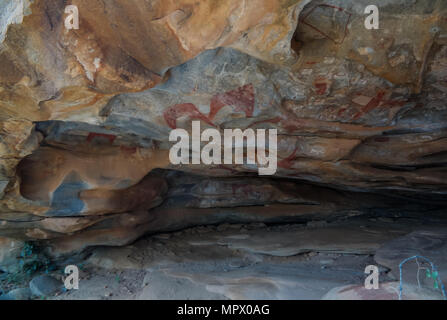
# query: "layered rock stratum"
{"type": "Point", "coordinates": [85, 115]}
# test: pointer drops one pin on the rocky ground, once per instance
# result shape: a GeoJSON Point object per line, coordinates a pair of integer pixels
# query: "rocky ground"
{"type": "Point", "coordinates": [314, 260]}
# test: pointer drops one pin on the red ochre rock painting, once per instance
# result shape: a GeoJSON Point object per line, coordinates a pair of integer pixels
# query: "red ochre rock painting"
{"type": "Point", "coordinates": [185, 109]}
{"type": "Point", "coordinates": [92, 135]}
{"type": "Point", "coordinates": [242, 99]}
{"type": "Point", "coordinates": [321, 86]}
{"type": "Point", "coordinates": [288, 162]}
{"type": "Point", "coordinates": [377, 101]}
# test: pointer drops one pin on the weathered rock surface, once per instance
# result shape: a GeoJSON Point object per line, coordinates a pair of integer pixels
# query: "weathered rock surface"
{"type": "Point", "coordinates": [9, 252]}
{"type": "Point", "coordinates": [387, 291]}
{"type": "Point", "coordinates": [85, 114]}
{"type": "Point", "coordinates": [45, 285]}
{"type": "Point", "coordinates": [251, 261]}
{"type": "Point", "coordinates": [425, 244]}
{"type": "Point", "coordinates": [194, 200]}
{"type": "Point", "coordinates": [17, 294]}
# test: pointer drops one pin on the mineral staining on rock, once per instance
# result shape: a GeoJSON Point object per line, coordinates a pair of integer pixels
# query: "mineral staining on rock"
{"type": "Point", "coordinates": [85, 115]}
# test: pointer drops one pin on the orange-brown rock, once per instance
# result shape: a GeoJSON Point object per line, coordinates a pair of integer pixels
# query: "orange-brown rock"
{"type": "Point", "coordinates": [85, 114]}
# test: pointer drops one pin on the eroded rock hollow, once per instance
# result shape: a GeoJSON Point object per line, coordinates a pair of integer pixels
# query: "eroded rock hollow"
{"type": "Point", "coordinates": [85, 115]}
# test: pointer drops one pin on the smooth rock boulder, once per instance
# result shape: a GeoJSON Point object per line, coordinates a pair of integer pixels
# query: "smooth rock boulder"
{"type": "Point", "coordinates": [45, 285]}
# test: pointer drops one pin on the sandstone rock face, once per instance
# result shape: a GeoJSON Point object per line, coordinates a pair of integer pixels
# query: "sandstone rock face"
{"type": "Point", "coordinates": [85, 114]}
